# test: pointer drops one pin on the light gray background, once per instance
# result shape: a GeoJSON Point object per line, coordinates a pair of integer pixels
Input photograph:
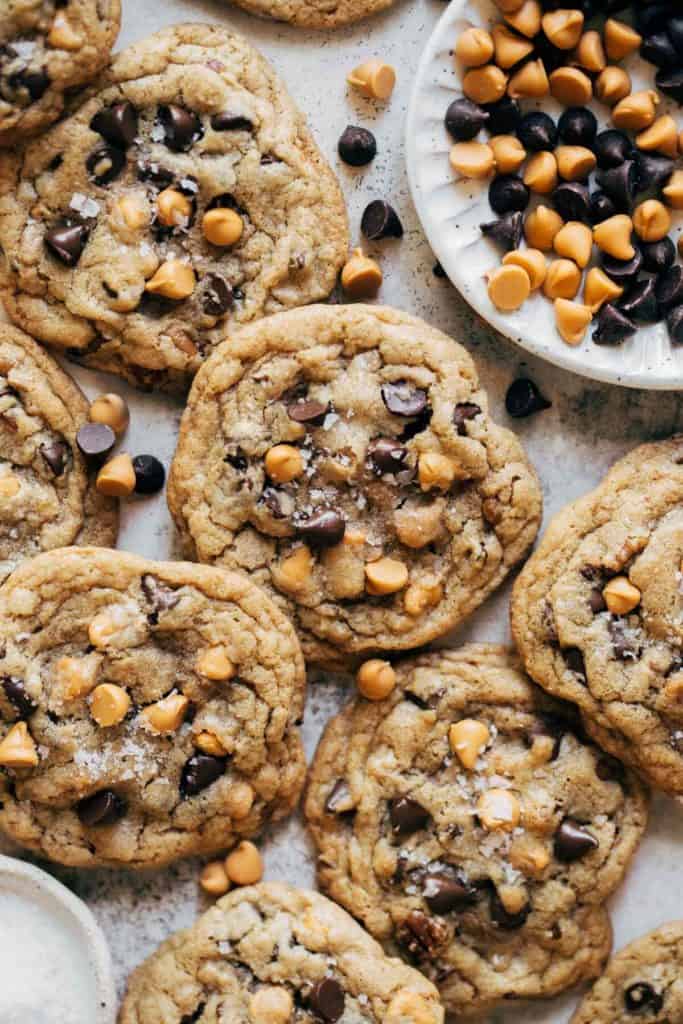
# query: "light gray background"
{"type": "Point", "coordinates": [571, 445]}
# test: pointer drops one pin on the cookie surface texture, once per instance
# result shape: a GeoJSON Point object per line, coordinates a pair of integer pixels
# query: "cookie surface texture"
{"type": "Point", "coordinates": [315, 13]}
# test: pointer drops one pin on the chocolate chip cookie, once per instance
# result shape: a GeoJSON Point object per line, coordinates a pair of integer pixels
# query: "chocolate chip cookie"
{"type": "Point", "coordinates": [344, 457]}
{"type": "Point", "coordinates": [185, 195]}
{"type": "Point", "coordinates": [468, 824]}
{"type": "Point", "coordinates": [47, 47]}
{"type": "Point", "coordinates": [47, 494]}
{"type": "Point", "coordinates": [643, 982]}
{"type": "Point", "coordinates": [272, 954]}
{"type": "Point", "coordinates": [597, 612]}
{"type": "Point", "coordinates": [148, 709]}
{"type": "Point", "coordinates": [315, 13]}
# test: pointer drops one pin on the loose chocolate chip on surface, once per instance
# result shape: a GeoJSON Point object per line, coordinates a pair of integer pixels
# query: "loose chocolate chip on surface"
{"type": "Point", "coordinates": [613, 326]}
{"type": "Point", "coordinates": [537, 131]}
{"type": "Point", "coordinates": [387, 456]}
{"type": "Point", "coordinates": [105, 164]}
{"type": "Point", "coordinates": [421, 935]}
{"type": "Point", "coordinates": [216, 295]}
{"type": "Point", "coordinates": [612, 148]}
{"type": "Point", "coordinates": [640, 303]}
{"type": "Point", "coordinates": [438, 271]}
{"type": "Point", "coordinates": [199, 772]}
{"type": "Point", "coordinates": [322, 529]}
{"type": "Point", "coordinates": [674, 323]}
{"type": "Point", "coordinates": [523, 399]}
{"type": "Point", "coordinates": [504, 116]}
{"type": "Point", "coordinates": [403, 399]}
{"type": "Point", "coordinates": [117, 124]}
{"type": "Point", "coordinates": [407, 816]}
{"type": "Point", "coordinates": [571, 199]}
{"type": "Point", "coordinates": [67, 241]}
{"type": "Point", "coordinates": [444, 891]}
{"type": "Point", "coordinates": [307, 410]}
{"type": "Point", "coordinates": [624, 272]}
{"type": "Point", "coordinates": [675, 29]}
{"type": "Point", "coordinates": [463, 412]}
{"type": "Point", "coordinates": [578, 126]}
{"type": "Point", "coordinates": [228, 122]}
{"type": "Point", "coordinates": [182, 127]}
{"type": "Point", "coordinates": [641, 996]}
{"type": "Point", "coordinates": [357, 146]}
{"type": "Point", "coordinates": [327, 999]}
{"type": "Point", "coordinates": [339, 801]}
{"type": "Point", "coordinates": [573, 841]}
{"type": "Point", "coordinates": [508, 194]}
{"type": "Point", "coordinates": [670, 288]}
{"type": "Point", "coordinates": [103, 808]}
{"type": "Point", "coordinates": [506, 231]}
{"type": "Point", "coordinates": [55, 455]}
{"type": "Point", "coordinates": [651, 17]}
{"type": "Point", "coordinates": [465, 119]}
{"type": "Point", "coordinates": [380, 220]}
{"type": "Point", "coordinates": [601, 207]}
{"type": "Point", "coordinates": [149, 474]}
{"type": "Point", "coordinates": [653, 170]}
{"type": "Point", "coordinates": [658, 256]}
{"type": "Point", "coordinates": [161, 597]}
{"type": "Point", "coordinates": [658, 49]}
{"type": "Point", "coordinates": [16, 694]}
{"type": "Point", "coordinates": [95, 440]}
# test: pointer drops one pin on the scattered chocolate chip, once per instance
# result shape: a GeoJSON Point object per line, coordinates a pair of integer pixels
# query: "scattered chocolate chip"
{"type": "Point", "coordinates": [596, 601]}
{"type": "Point", "coordinates": [537, 131]}
{"type": "Point", "coordinates": [670, 288]}
{"type": "Point", "coordinates": [674, 27]}
{"type": "Point", "coordinates": [407, 816]}
{"type": "Point", "coordinates": [150, 170]}
{"type": "Point", "coordinates": [357, 146]}
{"type": "Point", "coordinates": [508, 194]}
{"type": "Point", "coordinates": [612, 148]}
{"type": "Point", "coordinates": [653, 170]}
{"type": "Point", "coordinates": [322, 529]}
{"type": "Point", "coordinates": [552, 726]}
{"type": "Point", "coordinates": [651, 17]}
{"type": "Point", "coordinates": [117, 124]}
{"type": "Point", "coordinates": [340, 800]}
{"type": "Point", "coordinates": [237, 460]}
{"type": "Point", "coordinates": [506, 231]}
{"type": "Point", "coordinates": [55, 454]}
{"type": "Point", "coordinates": [524, 399]}
{"type": "Point", "coordinates": [578, 126]}
{"type": "Point", "coordinates": [103, 808]}
{"type": "Point", "coordinates": [640, 302]}
{"type": "Point", "coordinates": [445, 891]}
{"type": "Point", "coordinates": [161, 597]}
{"type": "Point", "coordinates": [620, 183]}
{"type": "Point", "coordinates": [327, 1000]}
{"type": "Point", "coordinates": [438, 271]}
{"type": "Point", "coordinates": [182, 127]}
{"type": "Point", "coordinates": [387, 456]}
{"type": "Point", "coordinates": [502, 917]}
{"type": "Point", "coordinates": [574, 661]}
{"type": "Point", "coordinates": [622, 271]}
{"type": "Point", "coordinates": [216, 295]}
{"type": "Point", "coordinates": [308, 411]}
{"type": "Point", "coordinates": [105, 164]}
{"type": "Point", "coordinates": [149, 474]}
{"type": "Point", "coordinates": [601, 207]}
{"type": "Point", "coordinates": [66, 241]}
{"type": "Point", "coordinates": [35, 82]}
{"type": "Point", "coordinates": [421, 935]}
{"type": "Point", "coordinates": [623, 646]}
{"type": "Point", "coordinates": [403, 399]}
{"type": "Point", "coordinates": [200, 771]}
{"type": "Point", "coordinates": [228, 122]}
{"type": "Point", "coordinates": [612, 326]}
{"type": "Point", "coordinates": [16, 694]}
{"type": "Point", "coordinates": [658, 256]}
{"type": "Point", "coordinates": [573, 841]}
{"type": "Point", "coordinates": [463, 412]}
{"type": "Point", "coordinates": [572, 201]}
{"type": "Point", "coordinates": [504, 116]}
{"type": "Point", "coordinates": [95, 441]}
{"type": "Point", "coordinates": [674, 323]}
{"type": "Point", "coordinates": [658, 49]}
{"type": "Point", "coordinates": [380, 220]}
{"type": "Point", "coordinates": [642, 996]}
{"type": "Point", "coordinates": [465, 119]}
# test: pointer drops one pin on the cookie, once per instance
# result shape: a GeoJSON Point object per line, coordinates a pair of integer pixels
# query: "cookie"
{"type": "Point", "coordinates": [48, 47]}
{"type": "Point", "coordinates": [183, 197]}
{"type": "Point", "coordinates": [643, 982]}
{"type": "Point", "coordinates": [344, 457]}
{"type": "Point", "coordinates": [47, 494]}
{"type": "Point", "coordinates": [315, 13]}
{"type": "Point", "coordinates": [467, 823]}
{"type": "Point", "coordinates": [148, 709]}
{"type": "Point", "coordinates": [597, 611]}
{"type": "Point", "coordinates": [271, 954]}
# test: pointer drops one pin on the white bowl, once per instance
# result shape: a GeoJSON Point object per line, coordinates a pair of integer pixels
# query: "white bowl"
{"type": "Point", "coordinates": [50, 941]}
{"type": "Point", "coordinates": [451, 212]}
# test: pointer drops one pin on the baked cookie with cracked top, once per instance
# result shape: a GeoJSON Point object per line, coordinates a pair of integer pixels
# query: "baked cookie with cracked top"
{"type": "Point", "coordinates": [47, 494]}
{"type": "Point", "coordinates": [642, 983]}
{"type": "Point", "coordinates": [344, 457]}
{"type": "Point", "coordinates": [272, 954]}
{"type": "Point", "coordinates": [47, 48]}
{"type": "Point", "coordinates": [183, 196]}
{"type": "Point", "coordinates": [148, 710]}
{"type": "Point", "coordinates": [315, 13]}
{"type": "Point", "coordinates": [468, 824]}
{"type": "Point", "coordinates": [597, 612]}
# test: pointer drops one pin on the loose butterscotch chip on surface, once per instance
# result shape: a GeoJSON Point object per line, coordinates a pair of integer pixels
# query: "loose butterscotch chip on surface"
{"type": "Point", "coordinates": [660, 137]}
{"type": "Point", "coordinates": [530, 82]}
{"type": "Point", "coordinates": [637, 111]}
{"type": "Point", "coordinates": [214, 879]}
{"type": "Point", "coordinates": [651, 220]}
{"type": "Point", "coordinates": [112, 410]}
{"type": "Point", "coordinates": [541, 227]}
{"type": "Point", "coordinates": [540, 174]}
{"type": "Point", "coordinates": [590, 52]}
{"type": "Point", "coordinates": [571, 87]}
{"type": "Point", "coordinates": [361, 276]}
{"type": "Point", "coordinates": [563, 28]}
{"type": "Point", "coordinates": [374, 78]}
{"type": "Point", "coordinates": [572, 320]}
{"type": "Point", "coordinates": [613, 236]}
{"type": "Point", "coordinates": [485, 85]}
{"type": "Point", "coordinates": [474, 47]}
{"type": "Point", "coordinates": [509, 287]}
{"type": "Point", "coordinates": [508, 152]}
{"type": "Point", "coordinates": [612, 85]}
{"type": "Point", "coordinates": [599, 289]}
{"type": "Point", "coordinates": [575, 163]}
{"type": "Point", "coordinates": [620, 39]}
{"type": "Point", "coordinates": [472, 159]}
{"type": "Point", "coordinates": [117, 477]}
{"type": "Point", "coordinates": [673, 191]}
{"type": "Point", "coordinates": [526, 18]}
{"type": "Point", "coordinates": [562, 280]}
{"type": "Point", "coordinates": [575, 242]}
{"type": "Point", "coordinates": [509, 47]}
{"type": "Point", "coordinates": [376, 679]}
{"type": "Point", "coordinates": [532, 261]}
{"type": "Point", "coordinates": [244, 865]}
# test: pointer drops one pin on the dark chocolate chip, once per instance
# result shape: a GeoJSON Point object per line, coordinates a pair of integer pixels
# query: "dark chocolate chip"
{"type": "Point", "coordinates": [608, 769]}
{"type": "Point", "coordinates": [229, 122]}
{"type": "Point", "coordinates": [578, 126]}
{"type": "Point", "coordinates": [640, 302]}
{"type": "Point", "coordinates": [573, 841]}
{"type": "Point", "coordinates": [216, 295]}
{"type": "Point", "coordinates": [506, 231]}
{"type": "Point", "coordinates": [182, 127]}
{"type": "Point", "coordinates": [524, 399]}
{"type": "Point", "coordinates": [508, 194]}
{"type": "Point", "coordinates": [357, 146]}
{"type": "Point", "coordinates": [95, 441]}
{"type": "Point", "coordinates": [103, 808]}
{"type": "Point", "coordinates": [105, 164]}
{"type": "Point", "coordinates": [150, 170]}
{"type": "Point", "coordinates": [552, 726]}
{"type": "Point", "coordinates": [602, 207]}
{"type": "Point", "coordinates": [149, 474]}
{"type": "Point", "coordinates": [463, 412]}
{"type": "Point", "coordinates": [624, 647]}
{"type": "Point", "coordinates": [117, 124]}
{"type": "Point", "coordinates": [438, 271]}
{"type": "Point", "coordinates": [16, 694]}
{"type": "Point", "coordinates": [339, 801]}
{"type": "Point", "coordinates": [465, 119]}
{"type": "Point", "coordinates": [502, 917]}
{"type": "Point", "coordinates": [571, 199]}
{"type": "Point", "coordinates": [537, 131]}
{"type": "Point", "coordinates": [161, 597]}
{"type": "Point", "coordinates": [55, 454]}
{"type": "Point", "coordinates": [445, 891]}
{"type": "Point", "coordinates": [642, 996]}
{"type": "Point", "coordinates": [403, 399]}
{"type": "Point", "coordinates": [612, 326]}
{"type": "Point", "coordinates": [504, 116]}
{"type": "Point", "coordinates": [67, 241]}
{"type": "Point", "coordinates": [574, 661]}
{"type": "Point", "coordinates": [272, 499]}
{"type": "Point", "coordinates": [407, 816]}
{"type": "Point", "coordinates": [199, 772]}
{"type": "Point", "coordinates": [674, 323]}
{"type": "Point", "coordinates": [624, 272]}
{"type": "Point", "coordinates": [380, 220]}
{"type": "Point", "coordinates": [658, 49]}
{"type": "Point", "coordinates": [670, 288]}
{"type": "Point", "coordinates": [35, 82]}
{"type": "Point", "coordinates": [387, 456]}
{"type": "Point", "coordinates": [653, 170]}
{"type": "Point", "coordinates": [658, 256]}
{"type": "Point", "coordinates": [596, 601]}
{"type": "Point", "coordinates": [552, 57]}
{"type": "Point", "coordinates": [322, 529]}
{"type": "Point", "coordinates": [420, 935]}
{"type": "Point", "coordinates": [620, 183]}
{"type": "Point", "coordinates": [651, 17]}
{"type": "Point", "coordinates": [675, 29]}
{"type": "Point", "coordinates": [308, 411]}
{"type": "Point", "coordinates": [612, 148]}
{"type": "Point", "coordinates": [192, 1018]}
{"type": "Point", "coordinates": [327, 999]}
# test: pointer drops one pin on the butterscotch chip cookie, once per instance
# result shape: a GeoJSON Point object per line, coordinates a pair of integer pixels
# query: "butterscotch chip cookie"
{"type": "Point", "coordinates": [643, 982]}
{"type": "Point", "coordinates": [271, 954]}
{"type": "Point", "coordinates": [185, 194]}
{"type": "Point", "coordinates": [148, 709]}
{"type": "Point", "coordinates": [467, 823]}
{"type": "Point", "coordinates": [47, 47]}
{"type": "Point", "coordinates": [597, 611]}
{"type": "Point", "coordinates": [344, 458]}
{"type": "Point", "coordinates": [315, 13]}
{"type": "Point", "coordinates": [47, 494]}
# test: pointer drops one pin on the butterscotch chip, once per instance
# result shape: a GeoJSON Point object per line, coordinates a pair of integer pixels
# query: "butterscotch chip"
{"type": "Point", "coordinates": [621, 597]}
{"type": "Point", "coordinates": [526, 18]}
{"type": "Point", "coordinates": [283, 463]}
{"type": "Point", "coordinates": [18, 749]}
{"type": "Point", "coordinates": [571, 87]}
{"type": "Point", "coordinates": [435, 471]}
{"type": "Point", "coordinates": [222, 226]}
{"type": "Point", "coordinates": [244, 865]}
{"type": "Point", "coordinates": [361, 276]}
{"type": "Point", "coordinates": [540, 174]}
{"type": "Point", "coordinates": [168, 714]}
{"type": "Point", "coordinates": [562, 280]}
{"type": "Point", "coordinates": [467, 739]}
{"type": "Point", "coordinates": [532, 261]}
{"type": "Point", "coordinates": [173, 280]}
{"type": "Point", "coordinates": [651, 220]}
{"type": "Point", "coordinates": [637, 111]}
{"type": "Point", "coordinates": [529, 856]}
{"type": "Point", "coordinates": [498, 810]}
{"type": "Point", "coordinates": [508, 152]}
{"type": "Point", "coordinates": [575, 163]}
{"type": "Point", "coordinates": [271, 1005]}
{"type": "Point", "coordinates": [117, 477]}
{"type": "Point", "coordinates": [294, 572]}
{"type": "Point", "coordinates": [673, 190]}
{"type": "Point", "coordinates": [572, 320]}
{"type": "Point", "coordinates": [563, 28]}
{"type": "Point", "coordinates": [109, 705]}
{"type": "Point", "coordinates": [472, 159]}
{"type": "Point", "coordinates": [620, 39]}
{"type": "Point", "coordinates": [210, 744]}
{"type": "Point", "coordinates": [613, 236]}
{"type": "Point", "coordinates": [374, 78]}
{"type": "Point", "coordinates": [173, 208]}
{"type": "Point", "coordinates": [214, 663]}
{"type": "Point", "coordinates": [509, 47]}
{"type": "Point", "coordinates": [474, 47]}
{"type": "Point", "coordinates": [612, 85]}
{"type": "Point", "coordinates": [530, 82]}
{"type": "Point", "coordinates": [112, 410]}
{"type": "Point", "coordinates": [541, 226]}
{"type": "Point", "coordinates": [9, 486]}
{"type": "Point", "coordinates": [214, 879]}
{"type": "Point", "coordinates": [599, 289]}
{"type": "Point", "coordinates": [575, 242]}
{"type": "Point", "coordinates": [376, 679]}
{"type": "Point", "coordinates": [509, 6]}
{"type": "Point", "coordinates": [509, 287]}
{"type": "Point", "coordinates": [419, 597]}
{"type": "Point", "coordinates": [385, 576]}
{"type": "Point", "coordinates": [590, 52]}
{"type": "Point", "coordinates": [485, 85]}
{"type": "Point", "coordinates": [660, 137]}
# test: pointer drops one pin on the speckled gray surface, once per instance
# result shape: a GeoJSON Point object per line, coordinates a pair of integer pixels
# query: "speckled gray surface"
{"type": "Point", "coordinates": [571, 444]}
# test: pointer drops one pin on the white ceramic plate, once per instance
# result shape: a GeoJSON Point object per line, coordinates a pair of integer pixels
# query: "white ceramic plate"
{"type": "Point", "coordinates": [451, 212]}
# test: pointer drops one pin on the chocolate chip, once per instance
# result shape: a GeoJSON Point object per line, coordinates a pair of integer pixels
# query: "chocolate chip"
{"type": "Point", "coordinates": [327, 999]}
{"type": "Point", "coordinates": [674, 323]}
{"type": "Point", "coordinates": [387, 456]}
{"type": "Point", "coordinates": [524, 399]}
{"type": "Point", "coordinates": [463, 412]}
{"type": "Point", "coordinates": [380, 220]}
{"type": "Point", "coordinates": [117, 124]}
{"type": "Point", "coordinates": [659, 50]}
{"type": "Point", "coordinates": [612, 148]}
{"type": "Point", "coordinates": [653, 170]}
{"type": "Point", "coordinates": [622, 271]}
{"type": "Point", "coordinates": [651, 17]}
{"type": "Point", "coordinates": [340, 800]}
{"type": "Point", "coordinates": [407, 816]}
{"type": "Point", "coordinates": [322, 529]}
{"type": "Point", "coordinates": [612, 326]}
{"type": "Point", "coordinates": [103, 808]}
{"type": "Point", "coordinates": [642, 996]}
{"type": "Point", "coordinates": [572, 201]}
{"type": "Point", "coordinates": [537, 131]}
{"type": "Point", "coordinates": [573, 841]}
{"type": "Point", "coordinates": [675, 29]}
{"type": "Point", "coordinates": [357, 146]}
{"type": "Point", "coordinates": [640, 303]}
{"type": "Point", "coordinates": [200, 771]}
{"type": "Point", "coordinates": [464, 120]}
{"type": "Point", "coordinates": [67, 241]}
{"type": "Point", "coordinates": [658, 256]}
{"type": "Point", "coordinates": [574, 661]}
{"type": "Point", "coordinates": [55, 454]}
{"type": "Point", "coordinates": [596, 601]}
{"type": "Point", "coordinates": [506, 232]}
{"type": "Point", "coordinates": [35, 82]}
{"type": "Point", "coordinates": [95, 441]}
{"type": "Point", "coordinates": [161, 597]}
{"type": "Point", "coordinates": [421, 935]}
{"type": "Point", "coordinates": [578, 126]}
{"type": "Point", "coordinates": [150, 170]}
{"type": "Point", "coordinates": [16, 694]}
{"type": "Point", "coordinates": [149, 474]}
{"type": "Point", "coordinates": [624, 647]}
{"type": "Point", "coordinates": [508, 193]}
{"type": "Point", "coordinates": [601, 207]}
{"type": "Point", "coordinates": [670, 288]}
{"type": "Point", "coordinates": [402, 399]}
{"type": "Point", "coordinates": [504, 116]}
{"type": "Point", "coordinates": [228, 122]}
{"type": "Point", "coordinates": [192, 1018]}
{"type": "Point", "coordinates": [620, 183]}
{"type": "Point", "coordinates": [608, 769]}
{"type": "Point", "coordinates": [445, 891]}
{"type": "Point", "coordinates": [182, 127]}
{"type": "Point", "coordinates": [552, 726]}
{"type": "Point", "coordinates": [438, 271]}
{"type": "Point", "coordinates": [502, 917]}
{"type": "Point", "coordinates": [105, 164]}
{"type": "Point", "coordinates": [216, 295]}
{"type": "Point", "coordinates": [308, 411]}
